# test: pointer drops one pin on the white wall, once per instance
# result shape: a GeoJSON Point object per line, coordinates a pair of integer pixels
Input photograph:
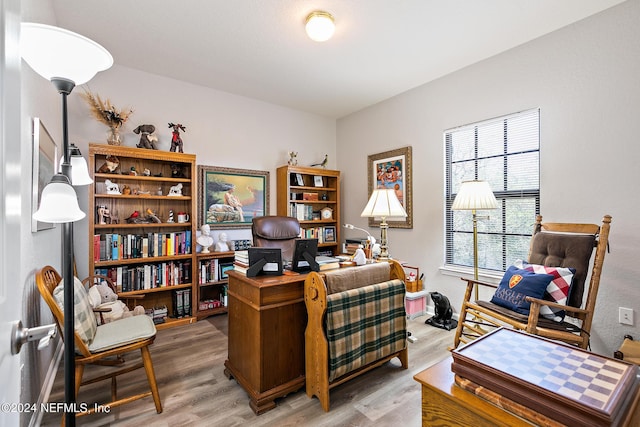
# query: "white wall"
{"type": "Point", "coordinates": [584, 78]}
{"type": "Point", "coordinates": [221, 129]}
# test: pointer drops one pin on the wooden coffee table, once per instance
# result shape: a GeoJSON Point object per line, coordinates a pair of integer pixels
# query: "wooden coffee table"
{"type": "Point", "coordinates": [445, 403]}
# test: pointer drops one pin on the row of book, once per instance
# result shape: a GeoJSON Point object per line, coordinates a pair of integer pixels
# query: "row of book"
{"type": "Point", "coordinates": [148, 276]}
{"type": "Point", "coordinates": [323, 234]}
{"type": "Point", "coordinates": [213, 271]}
{"type": "Point", "coordinates": [114, 247]}
{"type": "Point", "coordinates": [301, 212]}
{"type": "Point", "coordinates": [181, 303]}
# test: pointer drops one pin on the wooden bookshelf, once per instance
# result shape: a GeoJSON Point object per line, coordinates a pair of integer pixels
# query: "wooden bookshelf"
{"type": "Point", "coordinates": [305, 193]}
{"type": "Point", "coordinates": [212, 283]}
{"type": "Point", "coordinates": [138, 258]}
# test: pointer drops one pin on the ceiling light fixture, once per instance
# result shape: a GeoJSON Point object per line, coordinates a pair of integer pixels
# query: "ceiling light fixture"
{"type": "Point", "coordinates": [320, 26]}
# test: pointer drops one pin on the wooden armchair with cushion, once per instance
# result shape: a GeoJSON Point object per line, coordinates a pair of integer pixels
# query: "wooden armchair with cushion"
{"type": "Point", "coordinates": [96, 343]}
{"type": "Point", "coordinates": [549, 295]}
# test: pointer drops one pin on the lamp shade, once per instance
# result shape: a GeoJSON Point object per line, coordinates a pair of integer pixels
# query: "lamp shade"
{"type": "Point", "coordinates": [59, 202]}
{"type": "Point", "coordinates": [55, 52]}
{"type": "Point", "coordinates": [79, 170]}
{"type": "Point", "coordinates": [474, 195]}
{"type": "Point", "coordinates": [320, 26]}
{"type": "Point", "coordinates": [384, 203]}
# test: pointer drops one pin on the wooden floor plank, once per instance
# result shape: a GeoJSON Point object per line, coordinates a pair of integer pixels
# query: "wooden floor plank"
{"type": "Point", "coordinates": [189, 364]}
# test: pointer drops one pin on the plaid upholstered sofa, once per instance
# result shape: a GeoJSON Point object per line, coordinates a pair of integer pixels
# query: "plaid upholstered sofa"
{"type": "Point", "coordinates": [356, 322]}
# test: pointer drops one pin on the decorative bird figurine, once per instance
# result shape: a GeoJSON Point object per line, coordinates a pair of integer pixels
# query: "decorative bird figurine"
{"type": "Point", "coordinates": [323, 163]}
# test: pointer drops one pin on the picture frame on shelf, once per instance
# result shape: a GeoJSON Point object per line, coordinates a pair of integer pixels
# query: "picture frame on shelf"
{"type": "Point", "coordinates": [299, 180]}
{"type": "Point", "coordinates": [231, 198]}
{"type": "Point", "coordinates": [393, 169]}
{"type": "Point", "coordinates": [329, 234]}
{"type": "Point", "coordinates": [224, 270]}
{"type": "Point", "coordinates": [45, 165]}
{"type": "Point", "coordinates": [318, 181]}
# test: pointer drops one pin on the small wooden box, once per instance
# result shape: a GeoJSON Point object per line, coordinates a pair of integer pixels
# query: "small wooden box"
{"type": "Point", "coordinates": [310, 197]}
{"type": "Point", "coordinates": [562, 382]}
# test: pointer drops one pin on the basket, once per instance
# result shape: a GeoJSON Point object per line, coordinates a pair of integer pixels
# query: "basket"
{"type": "Point", "coordinates": [416, 284]}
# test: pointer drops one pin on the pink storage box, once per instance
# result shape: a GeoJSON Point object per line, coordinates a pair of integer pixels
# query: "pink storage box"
{"type": "Point", "coordinates": [416, 304]}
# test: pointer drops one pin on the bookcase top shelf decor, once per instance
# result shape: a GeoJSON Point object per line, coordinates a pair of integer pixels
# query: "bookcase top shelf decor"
{"type": "Point", "coordinates": [141, 231]}
{"type": "Point", "coordinates": [312, 195]}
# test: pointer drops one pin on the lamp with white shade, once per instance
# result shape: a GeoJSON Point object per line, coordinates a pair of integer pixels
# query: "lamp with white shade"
{"type": "Point", "coordinates": [384, 204]}
{"type": "Point", "coordinates": [474, 195]}
{"type": "Point", "coordinates": [66, 59]}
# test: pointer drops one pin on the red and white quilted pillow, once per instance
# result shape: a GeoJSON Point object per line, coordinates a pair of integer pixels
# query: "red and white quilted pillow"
{"type": "Point", "coordinates": [557, 291]}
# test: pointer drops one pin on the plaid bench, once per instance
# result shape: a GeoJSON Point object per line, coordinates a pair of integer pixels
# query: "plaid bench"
{"type": "Point", "coordinates": [364, 325]}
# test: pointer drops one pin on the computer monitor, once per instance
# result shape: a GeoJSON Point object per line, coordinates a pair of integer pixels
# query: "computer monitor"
{"type": "Point", "coordinates": [304, 256]}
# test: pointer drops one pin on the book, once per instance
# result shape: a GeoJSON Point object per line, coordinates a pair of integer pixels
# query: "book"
{"type": "Point", "coordinates": [327, 262]}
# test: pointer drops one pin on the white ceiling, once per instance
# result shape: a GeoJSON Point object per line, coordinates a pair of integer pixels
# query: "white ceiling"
{"type": "Point", "coordinates": [258, 48]}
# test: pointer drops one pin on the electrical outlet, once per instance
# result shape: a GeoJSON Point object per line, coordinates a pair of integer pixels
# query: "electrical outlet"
{"type": "Point", "coordinates": [625, 316]}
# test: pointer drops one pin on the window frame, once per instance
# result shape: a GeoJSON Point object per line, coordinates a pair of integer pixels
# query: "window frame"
{"type": "Point", "coordinates": [506, 196]}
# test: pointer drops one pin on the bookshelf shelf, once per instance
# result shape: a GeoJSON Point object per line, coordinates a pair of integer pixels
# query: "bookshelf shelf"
{"type": "Point", "coordinates": [154, 259]}
{"type": "Point", "coordinates": [212, 287]}
{"type": "Point", "coordinates": [303, 192]}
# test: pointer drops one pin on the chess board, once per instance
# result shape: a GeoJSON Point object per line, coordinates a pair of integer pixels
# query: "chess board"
{"type": "Point", "coordinates": [565, 383]}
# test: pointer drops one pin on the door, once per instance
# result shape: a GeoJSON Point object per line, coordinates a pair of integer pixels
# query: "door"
{"type": "Point", "coordinates": [11, 273]}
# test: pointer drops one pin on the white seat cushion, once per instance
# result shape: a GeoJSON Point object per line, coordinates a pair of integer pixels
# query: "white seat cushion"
{"type": "Point", "coordinates": [122, 331]}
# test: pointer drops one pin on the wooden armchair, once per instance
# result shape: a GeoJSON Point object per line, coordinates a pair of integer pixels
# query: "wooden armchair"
{"type": "Point", "coordinates": [552, 245]}
{"type": "Point", "coordinates": [94, 343]}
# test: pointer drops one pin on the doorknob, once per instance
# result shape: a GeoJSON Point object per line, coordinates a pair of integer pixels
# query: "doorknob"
{"type": "Point", "coordinates": [21, 335]}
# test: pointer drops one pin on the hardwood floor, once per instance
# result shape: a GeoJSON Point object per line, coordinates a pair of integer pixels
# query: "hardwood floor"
{"type": "Point", "coordinates": [189, 368]}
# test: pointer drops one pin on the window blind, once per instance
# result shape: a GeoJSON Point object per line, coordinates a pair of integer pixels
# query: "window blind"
{"type": "Point", "coordinates": [504, 151]}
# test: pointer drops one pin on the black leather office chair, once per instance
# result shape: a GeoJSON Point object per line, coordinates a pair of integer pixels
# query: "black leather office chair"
{"type": "Point", "coordinates": [276, 232]}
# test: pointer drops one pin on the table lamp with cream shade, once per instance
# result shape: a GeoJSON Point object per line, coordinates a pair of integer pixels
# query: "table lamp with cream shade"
{"type": "Point", "coordinates": [384, 204]}
{"type": "Point", "coordinates": [474, 195]}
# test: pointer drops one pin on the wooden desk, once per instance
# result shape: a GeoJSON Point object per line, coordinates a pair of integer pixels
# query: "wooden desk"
{"type": "Point", "coordinates": [267, 319]}
{"type": "Point", "coordinates": [444, 403]}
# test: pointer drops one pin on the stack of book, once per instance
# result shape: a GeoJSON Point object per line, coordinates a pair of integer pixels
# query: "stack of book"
{"type": "Point", "coordinates": [352, 244]}
{"type": "Point", "coordinates": [327, 262]}
{"type": "Point", "coordinates": [241, 261]}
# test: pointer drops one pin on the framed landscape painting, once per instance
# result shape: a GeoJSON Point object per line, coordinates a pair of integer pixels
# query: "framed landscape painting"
{"type": "Point", "coordinates": [392, 170]}
{"type": "Point", "coordinates": [231, 198]}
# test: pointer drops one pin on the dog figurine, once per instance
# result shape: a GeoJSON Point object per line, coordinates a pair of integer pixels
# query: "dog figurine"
{"type": "Point", "coordinates": [147, 140]}
{"type": "Point", "coordinates": [443, 312]}
{"type": "Point", "coordinates": [176, 190]}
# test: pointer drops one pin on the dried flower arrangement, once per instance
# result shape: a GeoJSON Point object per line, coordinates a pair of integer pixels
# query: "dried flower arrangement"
{"type": "Point", "coordinates": [105, 112]}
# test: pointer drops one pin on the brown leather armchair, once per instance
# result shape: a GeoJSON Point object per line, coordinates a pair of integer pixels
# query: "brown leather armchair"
{"type": "Point", "coordinates": [276, 232]}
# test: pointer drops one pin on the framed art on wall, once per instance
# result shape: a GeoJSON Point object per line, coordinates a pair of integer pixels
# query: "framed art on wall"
{"type": "Point", "coordinates": [392, 170]}
{"type": "Point", "coordinates": [231, 198]}
{"type": "Point", "coordinates": [45, 157]}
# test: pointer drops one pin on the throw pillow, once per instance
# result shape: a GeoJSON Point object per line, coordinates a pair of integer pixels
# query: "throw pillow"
{"type": "Point", "coordinates": [557, 291]}
{"type": "Point", "coordinates": [516, 285]}
{"type": "Point", "coordinates": [84, 322]}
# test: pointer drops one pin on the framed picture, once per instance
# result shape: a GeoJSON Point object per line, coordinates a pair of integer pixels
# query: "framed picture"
{"type": "Point", "coordinates": [231, 198]}
{"type": "Point", "coordinates": [45, 163]}
{"type": "Point", "coordinates": [224, 270]}
{"type": "Point", "coordinates": [329, 234]}
{"type": "Point", "coordinates": [299, 180]}
{"type": "Point", "coordinates": [392, 169]}
{"type": "Point", "coordinates": [318, 181]}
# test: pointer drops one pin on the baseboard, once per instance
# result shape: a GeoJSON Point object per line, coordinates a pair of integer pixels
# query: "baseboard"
{"type": "Point", "coordinates": [47, 384]}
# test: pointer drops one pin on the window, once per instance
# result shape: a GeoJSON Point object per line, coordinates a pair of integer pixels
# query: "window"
{"type": "Point", "coordinates": [505, 152]}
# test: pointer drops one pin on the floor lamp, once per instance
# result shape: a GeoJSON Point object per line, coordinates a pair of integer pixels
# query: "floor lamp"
{"type": "Point", "coordinates": [66, 59]}
{"type": "Point", "coordinates": [383, 204]}
{"type": "Point", "coordinates": [473, 196]}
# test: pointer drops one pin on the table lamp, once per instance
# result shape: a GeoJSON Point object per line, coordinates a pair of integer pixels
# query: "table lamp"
{"type": "Point", "coordinates": [383, 204]}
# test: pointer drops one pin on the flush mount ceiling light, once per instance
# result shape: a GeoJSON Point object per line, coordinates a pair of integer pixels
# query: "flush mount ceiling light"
{"type": "Point", "coordinates": [320, 26]}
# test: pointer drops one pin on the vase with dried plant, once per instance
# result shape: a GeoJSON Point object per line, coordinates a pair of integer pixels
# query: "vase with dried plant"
{"type": "Point", "coordinates": [105, 112]}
